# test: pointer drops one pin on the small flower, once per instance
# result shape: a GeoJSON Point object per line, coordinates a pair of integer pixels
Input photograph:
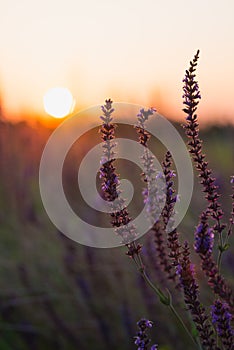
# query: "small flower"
{"type": "Point", "coordinates": [191, 90]}
{"type": "Point", "coordinates": [154, 347]}
{"type": "Point", "coordinates": [142, 340]}
{"type": "Point", "coordinates": [142, 117]}
{"type": "Point", "coordinates": [143, 324]}
{"type": "Point", "coordinates": [108, 104]}
{"type": "Point", "coordinates": [232, 180]}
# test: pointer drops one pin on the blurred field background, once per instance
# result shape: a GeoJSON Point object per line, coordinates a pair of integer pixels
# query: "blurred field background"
{"type": "Point", "coordinates": [57, 294]}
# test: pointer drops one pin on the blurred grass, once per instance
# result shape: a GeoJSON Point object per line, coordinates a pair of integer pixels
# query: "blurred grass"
{"type": "Point", "coordinates": [57, 294]}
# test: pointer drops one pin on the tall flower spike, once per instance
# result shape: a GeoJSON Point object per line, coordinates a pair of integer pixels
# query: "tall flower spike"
{"type": "Point", "coordinates": [121, 220]}
{"type": "Point", "coordinates": [167, 219]}
{"type": "Point", "coordinates": [191, 98]}
{"type": "Point", "coordinates": [168, 211]}
{"type": "Point", "coordinates": [191, 90]}
{"type": "Point", "coordinates": [142, 340]}
{"type": "Point", "coordinates": [154, 194]}
{"type": "Point", "coordinates": [221, 319]}
{"type": "Point", "coordinates": [169, 174]}
{"type": "Point", "coordinates": [232, 210]}
{"type": "Point", "coordinates": [188, 283]}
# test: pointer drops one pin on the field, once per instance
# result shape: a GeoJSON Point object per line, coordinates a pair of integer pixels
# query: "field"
{"type": "Point", "coordinates": [57, 294]}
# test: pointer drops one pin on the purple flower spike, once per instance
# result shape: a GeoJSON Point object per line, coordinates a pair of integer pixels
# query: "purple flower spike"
{"type": "Point", "coordinates": [191, 99]}
{"type": "Point", "coordinates": [142, 340]}
{"type": "Point", "coordinates": [120, 218]}
{"type": "Point", "coordinates": [186, 273]}
{"type": "Point", "coordinates": [221, 319]}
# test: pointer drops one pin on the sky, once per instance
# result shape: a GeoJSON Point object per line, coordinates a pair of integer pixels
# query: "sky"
{"type": "Point", "coordinates": [130, 50]}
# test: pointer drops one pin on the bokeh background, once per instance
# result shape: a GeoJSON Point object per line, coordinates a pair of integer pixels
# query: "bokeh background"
{"type": "Point", "coordinates": [55, 293]}
{"type": "Point", "coordinates": [131, 50]}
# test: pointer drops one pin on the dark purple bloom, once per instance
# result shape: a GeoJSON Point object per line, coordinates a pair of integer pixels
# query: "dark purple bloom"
{"type": "Point", "coordinates": [203, 245]}
{"type": "Point", "coordinates": [154, 347]}
{"type": "Point", "coordinates": [204, 236]}
{"type": "Point", "coordinates": [142, 340]}
{"type": "Point", "coordinates": [221, 319]}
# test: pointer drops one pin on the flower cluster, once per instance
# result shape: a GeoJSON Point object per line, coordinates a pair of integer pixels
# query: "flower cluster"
{"type": "Point", "coordinates": [204, 236]}
{"type": "Point", "coordinates": [203, 245]}
{"type": "Point", "coordinates": [142, 340]}
{"type": "Point", "coordinates": [107, 170]}
{"type": "Point", "coordinates": [173, 257]}
{"type": "Point", "coordinates": [221, 319]}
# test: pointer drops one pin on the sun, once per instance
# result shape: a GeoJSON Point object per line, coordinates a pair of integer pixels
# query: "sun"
{"type": "Point", "coordinates": [58, 102]}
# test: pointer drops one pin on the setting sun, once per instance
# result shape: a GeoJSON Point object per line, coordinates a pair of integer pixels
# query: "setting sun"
{"type": "Point", "coordinates": [58, 102]}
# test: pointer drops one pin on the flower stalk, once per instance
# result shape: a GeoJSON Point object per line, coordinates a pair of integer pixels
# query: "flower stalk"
{"type": "Point", "coordinates": [191, 98]}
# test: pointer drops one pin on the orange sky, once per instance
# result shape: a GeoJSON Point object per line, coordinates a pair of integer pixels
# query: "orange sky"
{"type": "Point", "coordinates": [129, 50]}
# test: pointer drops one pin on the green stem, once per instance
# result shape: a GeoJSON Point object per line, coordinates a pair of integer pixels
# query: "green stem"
{"type": "Point", "coordinates": [166, 300]}
{"type": "Point", "coordinates": [219, 260]}
{"type": "Point", "coordinates": [196, 336]}
{"type": "Point", "coordinates": [173, 310]}
{"type": "Point", "coordinates": [221, 248]}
